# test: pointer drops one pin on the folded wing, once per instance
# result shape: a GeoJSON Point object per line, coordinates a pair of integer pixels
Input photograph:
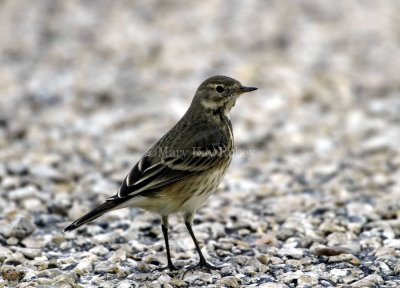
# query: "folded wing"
{"type": "Point", "coordinates": [150, 175]}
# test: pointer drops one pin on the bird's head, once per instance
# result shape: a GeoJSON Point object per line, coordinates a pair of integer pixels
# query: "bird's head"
{"type": "Point", "coordinates": [219, 93]}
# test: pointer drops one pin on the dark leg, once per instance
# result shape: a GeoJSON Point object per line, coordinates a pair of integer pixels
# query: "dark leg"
{"type": "Point", "coordinates": [165, 232]}
{"type": "Point", "coordinates": [164, 228]}
{"type": "Point", "coordinates": [202, 263]}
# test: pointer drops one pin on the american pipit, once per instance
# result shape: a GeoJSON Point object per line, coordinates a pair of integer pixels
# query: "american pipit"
{"type": "Point", "coordinates": [185, 166]}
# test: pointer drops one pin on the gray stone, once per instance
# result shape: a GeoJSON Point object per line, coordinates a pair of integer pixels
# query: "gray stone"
{"type": "Point", "coordinates": [84, 267]}
{"type": "Point", "coordinates": [99, 250]}
{"type": "Point", "coordinates": [369, 281]}
{"type": "Point", "coordinates": [21, 228]}
{"type": "Point", "coordinates": [295, 253]}
{"type": "Point", "coordinates": [175, 282]}
{"type": "Point", "coordinates": [231, 282]}
{"type": "Point", "coordinates": [23, 193]}
{"type": "Point", "coordinates": [308, 280]}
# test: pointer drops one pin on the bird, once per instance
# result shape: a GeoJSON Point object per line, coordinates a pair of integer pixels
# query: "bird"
{"type": "Point", "coordinates": [182, 169]}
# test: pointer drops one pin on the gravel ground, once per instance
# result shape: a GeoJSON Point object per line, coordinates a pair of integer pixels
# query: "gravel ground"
{"type": "Point", "coordinates": [312, 198]}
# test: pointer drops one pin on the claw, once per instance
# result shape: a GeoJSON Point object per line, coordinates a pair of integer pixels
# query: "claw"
{"type": "Point", "coordinates": [170, 267]}
{"type": "Point", "coordinates": [202, 265]}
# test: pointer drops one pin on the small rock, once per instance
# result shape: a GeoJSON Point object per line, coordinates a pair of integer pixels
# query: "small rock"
{"type": "Point", "coordinates": [118, 256]}
{"type": "Point", "coordinates": [339, 273]}
{"type": "Point", "coordinates": [294, 263]}
{"type": "Point", "coordinates": [345, 258]}
{"type": "Point", "coordinates": [250, 270]}
{"type": "Point", "coordinates": [290, 276]}
{"type": "Point", "coordinates": [12, 241]}
{"type": "Point", "coordinates": [394, 243]}
{"type": "Point", "coordinates": [23, 193]}
{"type": "Point", "coordinates": [227, 271]}
{"type": "Point", "coordinates": [43, 171]}
{"type": "Point", "coordinates": [263, 259]}
{"type": "Point", "coordinates": [4, 253]}
{"type": "Point", "coordinates": [127, 284]}
{"type": "Point", "coordinates": [33, 205]}
{"type": "Point", "coordinates": [329, 227]}
{"type": "Point", "coordinates": [11, 273]}
{"type": "Point", "coordinates": [21, 228]}
{"type": "Point", "coordinates": [50, 273]}
{"type": "Point", "coordinates": [164, 278]}
{"type": "Point", "coordinates": [153, 259]}
{"type": "Point", "coordinates": [307, 280]}
{"type": "Point", "coordinates": [199, 279]}
{"type": "Point", "coordinates": [295, 253]}
{"type": "Point", "coordinates": [276, 261]}
{"type": "Point", "coordinates": [64, 281]}
{"type": "Point", "coordinates": [84, 267]}
{"type": "Point", "coordinates": [397, 269]}
{"type": "Point", "coordinates": [15, 260]}
{"type": "Point", "coordinates": [273, 285]}
{"type": "Point", "coordinates": [369, 281]}
{"type": "Point", "coordinates": [105, 267]}
{"type": "Point", "coordinates": [17, 168]}
{"type": "Point", "coordinates": [30, 253]}
{"type": "Point", "coordinates": [178, 282]}
{"type": "Point", "coordinates": [242, 260]}
{"type": "Point", "coordinates": [99, 250]}
{"type": "Point", "coordinates": [34, 242]}
{"type": "Point", "coordinates": [29, 277]}
{"type": "Point", "coordinates": [143, 267]}
{"type": "Point", "coordinates": [331, 251]}
{"type": "Point", "coordinates": [231, 282]}
{"type": "Point", "coordinates": [58, 239]}
{"type": "Point", "coordinates": [385, 251]}
{"type": "Point", "coordinates": [10, 182]}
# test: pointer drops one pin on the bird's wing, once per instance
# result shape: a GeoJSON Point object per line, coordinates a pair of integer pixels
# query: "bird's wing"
{"type": "Point", "coordinates": [147, 175]}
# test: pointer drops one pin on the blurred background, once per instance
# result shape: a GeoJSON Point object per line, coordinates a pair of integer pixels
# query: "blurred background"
{"type": "Point", "coordinates": [87, 86]}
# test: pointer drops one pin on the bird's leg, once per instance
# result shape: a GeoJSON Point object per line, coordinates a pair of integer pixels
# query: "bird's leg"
{"type": "Point", "coordinates": [202, 263]}
{"type": "Point", "coordinates": [164, 228]}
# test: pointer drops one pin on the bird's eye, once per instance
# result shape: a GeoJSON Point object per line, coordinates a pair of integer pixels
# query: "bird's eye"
{"type": "Point", "coordinates": [219, 89]}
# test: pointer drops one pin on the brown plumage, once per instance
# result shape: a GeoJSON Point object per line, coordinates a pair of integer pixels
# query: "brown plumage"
{"type": "Point", "coordinates": [186, 165]}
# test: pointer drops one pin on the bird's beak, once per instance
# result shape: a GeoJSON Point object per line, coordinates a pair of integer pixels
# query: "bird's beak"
{"type": "Point", "coordinates": [244, 89]}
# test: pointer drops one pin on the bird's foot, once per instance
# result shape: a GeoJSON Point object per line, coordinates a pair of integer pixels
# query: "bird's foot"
{"type": "Point", "coordinates": [202, 265]}
{"type": "Point", "coordinates": [171, 267]}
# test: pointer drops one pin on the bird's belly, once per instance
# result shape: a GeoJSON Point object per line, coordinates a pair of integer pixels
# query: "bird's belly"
{"type": "Point", "coordinates": [185, 195]}
{"type": "Point", "coordinates": [202, 188]}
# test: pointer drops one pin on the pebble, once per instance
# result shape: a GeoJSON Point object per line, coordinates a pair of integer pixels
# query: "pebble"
{"type": "Point", "coordinates": [338, 274]}
{"type": "Point", "coordinates": [295, 253]}
{"type": "Point", "coordinates": [331, 251]}
{"type": "Point", "coordinates": [127, 284]}
{"type": "Point", "coordinates": [11, 273]}
{"type": "Point", "coordinates": [231, 282]}
{"type": "Point", "coordinates": [369, 281]}
{"type": "Point", "coordinates": [23, 193]}
{"type": "Point", "coordinates": [12, 241]}
{"type": "Point", "coordinates": [84, 267]}
{"type": "Point", "coordinates": [307, 280]}
{"type": "Point", "coordinates": [30, 253]}
{"type": "Point", "coordinates": [175, 282]}
{"type": "Point", "coordinates": [99, 250]}
{"type": "Point", "coordinates": [273, 285]}
{"type": "Point", "coordinates": [393, 243]}
{"type": "Point", "coordinates": [118, 256]}
{"type": "Point", "coordinates": [21, 228]}
{"type": "Point", "coordinates": [289, 277]}
{"type": "Point", "coordinates": [345, 258]}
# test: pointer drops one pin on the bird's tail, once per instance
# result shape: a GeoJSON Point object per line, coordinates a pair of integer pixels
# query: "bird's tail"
{"type": "Point", "coordinates": [95, 213]}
